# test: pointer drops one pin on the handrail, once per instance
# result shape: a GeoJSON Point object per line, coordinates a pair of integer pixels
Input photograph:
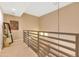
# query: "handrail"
{"type": "Point", "coordinates": [47, 45]}
{"type": "Point", "coordinates": [57, 38]}
{"type": "Point", "coordinates": [64, 33]}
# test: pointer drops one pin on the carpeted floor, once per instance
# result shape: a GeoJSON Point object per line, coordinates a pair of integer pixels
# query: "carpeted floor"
{"type": "Point", "coordinates": [17, 49]}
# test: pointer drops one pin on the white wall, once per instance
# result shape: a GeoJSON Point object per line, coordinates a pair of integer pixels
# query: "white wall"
{"type": "Point", "coordinates": [1, 32]}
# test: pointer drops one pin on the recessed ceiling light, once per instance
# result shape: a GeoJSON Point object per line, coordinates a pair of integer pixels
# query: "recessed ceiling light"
{"type": "Point", "coordinates": [14, 9]}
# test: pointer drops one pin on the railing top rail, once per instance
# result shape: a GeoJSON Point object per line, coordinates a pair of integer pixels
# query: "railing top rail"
{"type": "Point", "coordinates": [64, 33]}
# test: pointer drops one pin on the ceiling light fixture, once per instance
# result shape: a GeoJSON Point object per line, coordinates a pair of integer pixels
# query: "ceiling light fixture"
{"type": "Point", "coordinates": [14, 9]}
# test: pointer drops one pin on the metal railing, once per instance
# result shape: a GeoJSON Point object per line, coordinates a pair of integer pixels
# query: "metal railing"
{"type": "Point", "coordinates": [50, 44]}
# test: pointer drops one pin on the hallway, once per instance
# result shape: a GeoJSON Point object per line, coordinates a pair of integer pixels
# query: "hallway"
{"type": "Point", "coordinates": [50, 29]}
{"type": "Point", "coordinates": [17, 49]}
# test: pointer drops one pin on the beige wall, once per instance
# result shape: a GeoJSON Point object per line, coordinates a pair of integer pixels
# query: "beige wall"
{"type": "Point", "coordinates": [68, 22]}
{"type": "Point", "coordinates": [68, 19]}
{"type": "Point", "coordinates": [26, 22]}
{"type": "Point", "coordinates": [49, 22]}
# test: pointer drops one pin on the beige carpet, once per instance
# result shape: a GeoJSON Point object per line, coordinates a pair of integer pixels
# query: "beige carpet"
{"type": "Point", "coordinates": [17, 49]}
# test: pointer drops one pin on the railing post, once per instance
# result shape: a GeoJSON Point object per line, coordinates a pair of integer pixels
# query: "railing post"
{"type": "Point", "coordinates": [23, 36]}
{"type": "Point", "coordinates": [77, 45]}
{"type": "Point", "coordinates": [48, 51]}
{"type": "Point", "coordinates": [38, 43]}
{"type": "Point", "coordinates": [28, 38]}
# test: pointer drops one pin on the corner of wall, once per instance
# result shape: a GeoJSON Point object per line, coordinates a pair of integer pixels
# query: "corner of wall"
{"type": "Point", "coordinates": [39, 22]}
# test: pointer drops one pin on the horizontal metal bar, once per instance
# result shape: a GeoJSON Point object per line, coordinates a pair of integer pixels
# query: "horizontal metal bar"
{"type": "Point", "coordinates": [57, 44]}
{"type": "Point", "coordinates": [50, 56]}
{"type": "Point", "coordinates": [42, 47]}
{"type": "Point", "coordinates": [41, 54]}
{"type": "Point", "coordinates": [57, 50]}
{"type": "Point", "coordinates": [33, 38]}
{"type": "Point", "coordinates": [49, 51]}
{"type": "Point", "coordinates": [59, 39]}
{"type": "Point", "coordinates": [33, 33]}
{"type": "Point", "coordinates": [33, 43]}
{"type": "Point", "coordinates": [54, 32]}
{"type": "Point", "coordinates": [54, 54]}
{"type": "Point", "coordinates": [33, 48]}
{"type": "Point", "coordinates": [60, 45]}
{"type": "Point", "coordinates": [44, 52]}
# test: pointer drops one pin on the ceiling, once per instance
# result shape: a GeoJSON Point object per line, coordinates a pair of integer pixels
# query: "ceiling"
{"type": "Point", "coordinates": [32, 8]}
